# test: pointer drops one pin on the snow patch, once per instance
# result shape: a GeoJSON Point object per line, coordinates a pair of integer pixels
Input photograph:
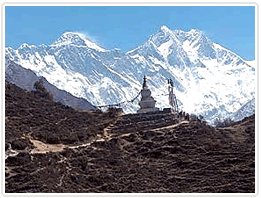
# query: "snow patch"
{"type": "Point", "coordinates": [164, 48]}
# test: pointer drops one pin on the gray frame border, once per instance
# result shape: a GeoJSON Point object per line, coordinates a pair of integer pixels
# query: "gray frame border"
{"type": "Point", "coordinates": [132, 4]}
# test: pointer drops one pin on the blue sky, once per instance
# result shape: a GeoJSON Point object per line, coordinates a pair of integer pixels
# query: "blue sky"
{"type": "Point", "coordinates": [127, 27]}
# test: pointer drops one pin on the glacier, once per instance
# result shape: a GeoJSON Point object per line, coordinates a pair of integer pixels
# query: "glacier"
{"type": "Point", "coordinates": [209, 79]}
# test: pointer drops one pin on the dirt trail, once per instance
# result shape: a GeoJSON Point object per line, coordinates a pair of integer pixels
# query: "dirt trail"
{"type": "Point", "coordinates": [44, 148]}
{"type": "Point", "coordinates": [171, 126]}
{"type": "Point", "coordinates": [41, 147]}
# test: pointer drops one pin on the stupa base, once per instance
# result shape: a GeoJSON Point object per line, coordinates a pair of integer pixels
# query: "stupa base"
{"type": "Point", "coordinates": [147, 110]}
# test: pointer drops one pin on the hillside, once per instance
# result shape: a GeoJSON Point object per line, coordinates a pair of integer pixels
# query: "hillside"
{"type": "Point", "coordinates": [51, 148]}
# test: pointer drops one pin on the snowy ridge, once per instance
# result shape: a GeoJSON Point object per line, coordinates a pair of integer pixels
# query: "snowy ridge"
{"type": "Point", "coordinates": [246, 110]}
{"type": "Point", "coordinates": [252, 63]}
{"type": "Point", "coordinates": [209, 79]}
{"type": "Point", "coordinates": [78, 39]}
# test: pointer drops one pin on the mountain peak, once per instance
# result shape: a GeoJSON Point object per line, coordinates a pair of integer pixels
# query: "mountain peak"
{"type": "Point", "coordinates": [78, 39]}
{"type": "Point", "coordinates": [69, 38]}
{"type": "Point", "coordinates": [196, 33]}
{"type": "Point", "coordinates": [26, 46]}
{"type": "Point", "coordinates": [164, 28]}
{"type": "Point", "coordinates": [69, 35]}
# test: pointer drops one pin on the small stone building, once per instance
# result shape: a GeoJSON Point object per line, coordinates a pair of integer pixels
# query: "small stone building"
{"type": "Point", "coordinates": [147, 103]}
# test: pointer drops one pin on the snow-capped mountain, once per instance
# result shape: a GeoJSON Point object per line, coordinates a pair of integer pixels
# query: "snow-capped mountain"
{"type": "Point", "coordinates": [208, 78]}
{"type": "Point", "coordinates": [25, 79]}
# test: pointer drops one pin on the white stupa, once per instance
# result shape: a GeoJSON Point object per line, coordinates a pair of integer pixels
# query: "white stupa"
{"type": "Point", "coordinates": [147, 103]}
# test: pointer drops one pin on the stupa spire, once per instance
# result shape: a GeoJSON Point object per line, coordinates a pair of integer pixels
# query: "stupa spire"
{"type": "Point", "coordinates": [145, 83]}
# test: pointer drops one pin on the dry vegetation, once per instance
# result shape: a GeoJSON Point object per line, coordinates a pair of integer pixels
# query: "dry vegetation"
{"type": "Point", "coordinates": [109, 152]}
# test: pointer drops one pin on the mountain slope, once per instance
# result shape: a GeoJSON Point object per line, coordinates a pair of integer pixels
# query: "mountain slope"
{"type": "Point", "coordinates": [208, 79]}
{"type": "Point", "coordinates": [26, 79]}
{"type": "Point", "coordinates": [246, 110]}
